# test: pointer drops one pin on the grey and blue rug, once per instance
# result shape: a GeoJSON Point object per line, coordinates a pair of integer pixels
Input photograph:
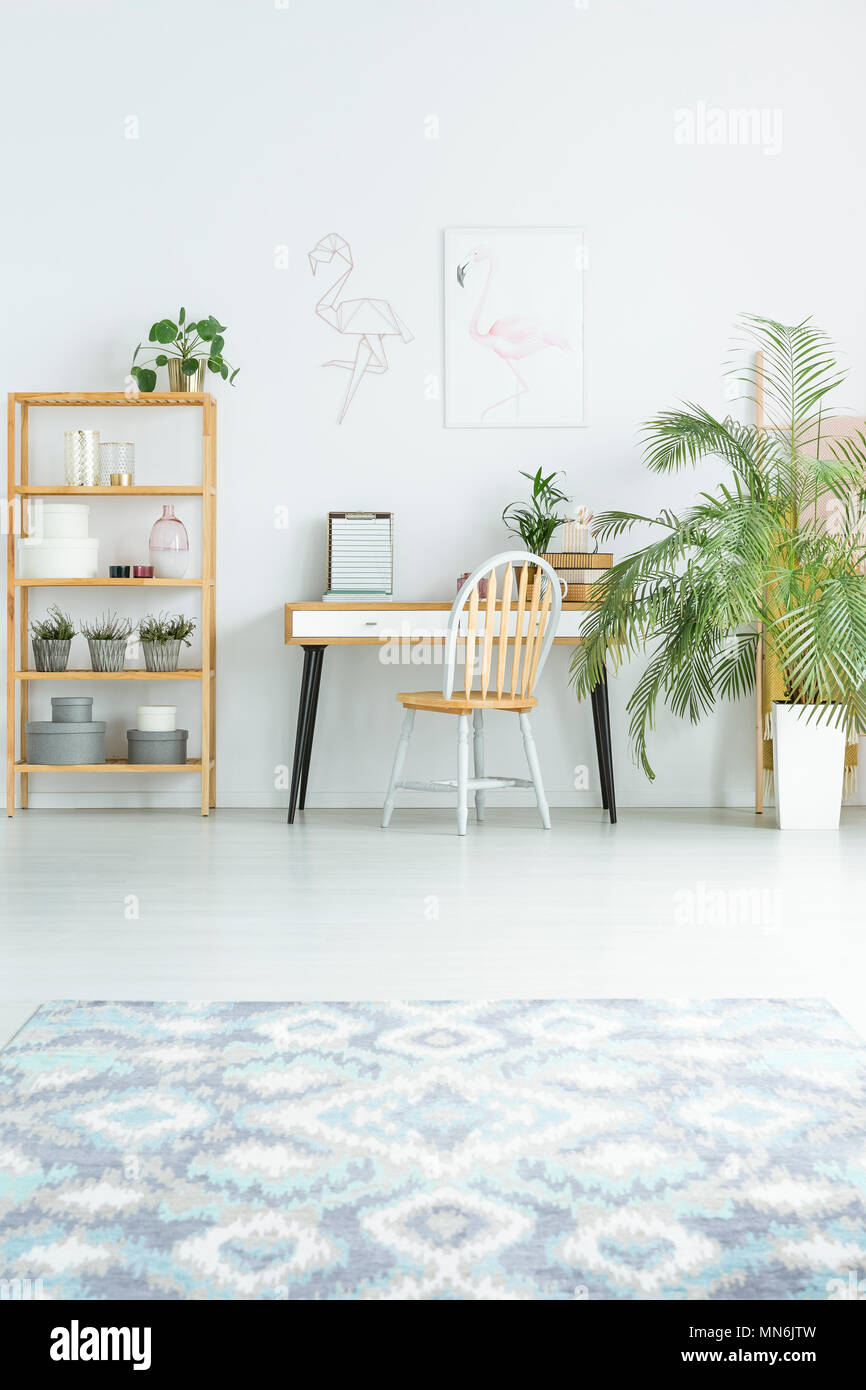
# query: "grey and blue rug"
{"type": "Point", "coordinates": [601, 1149]}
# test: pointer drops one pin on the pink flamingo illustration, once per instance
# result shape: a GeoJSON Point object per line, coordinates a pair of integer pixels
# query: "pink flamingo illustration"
{"type": "Point", "coordinates": [370, 319]}
{"type": "Point", "coordinates": [512, 338]}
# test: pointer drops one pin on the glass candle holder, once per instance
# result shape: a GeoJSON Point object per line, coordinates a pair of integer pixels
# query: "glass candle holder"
{"type": "Point", "coordinates": [81, 457]}
{"type": "Point", "coordinates": [116, 458]}
{"type": "Point", "coordinates": [169, 546]}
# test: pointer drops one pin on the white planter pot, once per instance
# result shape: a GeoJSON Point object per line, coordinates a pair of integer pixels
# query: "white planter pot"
{"type": "Point", "coordinates": [809, 763]}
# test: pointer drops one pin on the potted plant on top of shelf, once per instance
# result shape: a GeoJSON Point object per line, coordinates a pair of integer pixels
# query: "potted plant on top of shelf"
{"type": "Point", "coordinates": [107, 637]}
{"type": "Point", "coordinates": [161, 636]}
{"type": "Point", "coordinates": [535, 522]}
{"type": "Point", "coordinates": [186, 348]}
{"type": "Point", "coordinates": [51, 637]}
{"type": "Point", "coordinates": [777, 549]}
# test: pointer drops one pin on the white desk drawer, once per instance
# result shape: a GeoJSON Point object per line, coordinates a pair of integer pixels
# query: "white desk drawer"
{"type": "Point", "coordinates": [380, 624]}
{"type": "Point", "coordinates": [375, 623]}
{"type": "Point", "coordinates": [569, 625]}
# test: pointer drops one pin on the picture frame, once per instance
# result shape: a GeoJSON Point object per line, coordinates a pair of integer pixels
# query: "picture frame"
{"type": "Point", "coordinates": [514, 317]}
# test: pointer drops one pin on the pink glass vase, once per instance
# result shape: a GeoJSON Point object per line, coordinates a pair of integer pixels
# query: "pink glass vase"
{"type": "Point", "coordinates": [169, 546]}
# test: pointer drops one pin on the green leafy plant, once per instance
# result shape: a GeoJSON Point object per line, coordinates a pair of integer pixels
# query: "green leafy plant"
{"type": "Point", "coordinates": [162, 627]}
{"type": "Point", "coordinates": [535, 522]}
{"type": "Point", "coordinates": [778, 546]}
{"type": "Point", "coordinates": [56, 626]}
{"type": "Point", "coordinates": [189, 340]}
{"type": "Point", "coordinates": [108, 628]}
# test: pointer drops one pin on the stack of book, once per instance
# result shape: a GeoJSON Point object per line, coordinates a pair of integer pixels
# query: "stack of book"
{"type": "Point", "coordinates": [360, 555]}
{"type": "Point", "coordinates": [580, 571]}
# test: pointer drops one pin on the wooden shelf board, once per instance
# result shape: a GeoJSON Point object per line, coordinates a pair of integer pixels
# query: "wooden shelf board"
{"type": "Point", "coordinates": [185, 674]}
{"type": "Point", "coordinates": [136, 491]}
{"type": "Point", "coordinates": [97, 398]}
{"type": "Point", "coordinates": [105, 582]}
{"type": "Point", "coordinates": [111, 765]}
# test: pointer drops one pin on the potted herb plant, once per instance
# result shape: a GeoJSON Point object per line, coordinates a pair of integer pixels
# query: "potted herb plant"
{"type": "Point", "coordinates": [107, 637]}
{"type": "Point", "coordinates": [775, 553]}
{"type": "Point", "coordinates": [50, 638]}
{"type": "Point", "coordinates": [536, 520]}
{"type": "Point", "coordinates": [186, 348]}
{"type": "Point", "coordinates": [161, 636]}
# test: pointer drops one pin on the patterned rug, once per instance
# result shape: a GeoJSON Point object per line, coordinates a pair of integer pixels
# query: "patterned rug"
{"type": "Point", "coordinates": [601, 1149]}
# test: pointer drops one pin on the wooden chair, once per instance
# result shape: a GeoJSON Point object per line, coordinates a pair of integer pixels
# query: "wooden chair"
{"type": "Point", "coordinates": [531, 623]}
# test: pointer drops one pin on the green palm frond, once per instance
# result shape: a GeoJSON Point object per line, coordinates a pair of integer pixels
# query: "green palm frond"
{"type": "Point", "coordinates": [798, 372]}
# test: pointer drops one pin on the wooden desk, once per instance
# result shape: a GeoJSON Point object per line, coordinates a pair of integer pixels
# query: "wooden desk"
{"type": "Point", "coordinates": [315, 626]}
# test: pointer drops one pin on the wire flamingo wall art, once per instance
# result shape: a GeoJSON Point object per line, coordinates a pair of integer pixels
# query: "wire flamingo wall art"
{"type": "Point", "coordinates": [536, 270]}
{"type": "Point", "coordinates": [368, 320]}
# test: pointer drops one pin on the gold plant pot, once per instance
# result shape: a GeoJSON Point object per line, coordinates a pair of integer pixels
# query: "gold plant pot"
{"type": "Point", "coordinates": [178, 382]}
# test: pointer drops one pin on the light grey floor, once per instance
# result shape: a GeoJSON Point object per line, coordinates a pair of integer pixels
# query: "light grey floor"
{"type": "Point", "coordinates": [165, 905]}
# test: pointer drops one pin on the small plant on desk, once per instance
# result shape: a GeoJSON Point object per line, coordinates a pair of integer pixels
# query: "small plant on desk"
{"type": "Point", "coordinates": [535, 522]}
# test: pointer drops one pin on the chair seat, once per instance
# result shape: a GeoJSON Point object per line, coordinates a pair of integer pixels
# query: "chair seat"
{"type": "Point", "coordinates": [435, 701]}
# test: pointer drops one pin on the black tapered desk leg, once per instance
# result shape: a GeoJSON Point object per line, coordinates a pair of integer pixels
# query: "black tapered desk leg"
{"type": "Point", "coordinates": [607, 746]}
{"type": "Point", "coordinates": [303, 728]}
{"type": "Point", "coordinates": [599, 750]}
{"type": "Point", "coordinates": [318, 653]}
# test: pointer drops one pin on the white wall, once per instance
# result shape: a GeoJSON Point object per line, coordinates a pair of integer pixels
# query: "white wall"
{"type": "Point", "coordinates": [262, 126]}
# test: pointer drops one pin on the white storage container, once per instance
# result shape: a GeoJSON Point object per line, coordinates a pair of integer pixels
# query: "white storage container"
{"type": "Point", "coordinates": [156, 718]}
{"type": "Point", "coordinates": [63, 520]}
{"type": "Point", "coordinates": [58, 559]}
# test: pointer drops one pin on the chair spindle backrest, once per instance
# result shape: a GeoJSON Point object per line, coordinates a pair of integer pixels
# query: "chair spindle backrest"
{"type": "Point", "coordinates": [536, 618]}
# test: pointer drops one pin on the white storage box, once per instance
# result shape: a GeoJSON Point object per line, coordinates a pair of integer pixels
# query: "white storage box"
{"type": "Point", "coordinates": [156, 718]}
{"type": "Point", "coordinates": [58, 559]}
{"type": "Point", "coordinates": [62, 520]}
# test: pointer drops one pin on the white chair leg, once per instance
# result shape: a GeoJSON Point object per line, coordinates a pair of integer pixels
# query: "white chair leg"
{"type": "Point", "coordinates": [399, 760]}
{"type": "Point", "coordinates": [462, 772]}
{"type": "Point", "coordinates": [478, 759]}
{"type": "Point", "coordinates": [534, 770]}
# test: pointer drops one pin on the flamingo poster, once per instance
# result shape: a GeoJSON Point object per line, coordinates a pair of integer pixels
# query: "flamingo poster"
{"type": "Point", "coordinates": [513, 327]}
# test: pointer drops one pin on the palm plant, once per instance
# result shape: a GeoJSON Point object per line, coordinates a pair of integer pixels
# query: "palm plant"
{"type": "Point", "coordinates": [777, 547]}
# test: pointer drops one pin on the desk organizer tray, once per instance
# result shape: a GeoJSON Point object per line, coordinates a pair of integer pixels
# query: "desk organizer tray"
{"type": "Point", "coordinates": [50, 742]}
{"type": "Point", "coordinates": [157, 745]}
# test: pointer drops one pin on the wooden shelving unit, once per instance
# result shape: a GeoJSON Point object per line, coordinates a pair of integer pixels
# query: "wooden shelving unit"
{"type": "Point", "coordinates": [20, 677]}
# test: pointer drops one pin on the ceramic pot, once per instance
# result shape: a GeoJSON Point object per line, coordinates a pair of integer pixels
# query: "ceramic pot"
{"type": "Point", "coordinates": [161, 656]}
{"type": "Point", "coordinates": [107, 656]}
{"type": "Point", "coordinates": [49, 654]}
{"type": "Point", "coordinates": [809, 764]}
{"type": "Point", "coordinates": [178, 382]}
